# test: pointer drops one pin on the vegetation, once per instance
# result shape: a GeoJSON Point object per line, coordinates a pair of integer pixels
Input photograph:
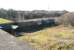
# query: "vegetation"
{"type": "Point", "coordinates": [3, 21]}
{"type": "Point", "coordinates": [15, 15]}
{"type": "Point", "coordinates": [55, 38]}
{"type": "Point", "coordinates": [67, 19]}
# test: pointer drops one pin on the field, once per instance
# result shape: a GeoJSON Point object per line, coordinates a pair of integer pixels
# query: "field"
{"type": "Point", "coordinates": [54, 38]}
{"type": "Point", "coordinates": [3, 21]}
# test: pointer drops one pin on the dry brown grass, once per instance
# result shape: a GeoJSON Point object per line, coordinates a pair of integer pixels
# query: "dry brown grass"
{"type": "Point", "coordinates": [55, 38]}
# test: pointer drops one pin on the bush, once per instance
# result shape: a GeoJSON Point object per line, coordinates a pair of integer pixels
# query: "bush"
{"type": "Point", "coordinates": [67, 19]}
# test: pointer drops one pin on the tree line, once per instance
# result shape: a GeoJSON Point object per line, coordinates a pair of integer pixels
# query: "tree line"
{"type": "Point", "coordinates": [18, 14]}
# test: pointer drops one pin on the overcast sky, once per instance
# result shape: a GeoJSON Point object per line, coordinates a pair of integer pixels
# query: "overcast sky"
{"type": "Point", "coordinates": [38, 4]}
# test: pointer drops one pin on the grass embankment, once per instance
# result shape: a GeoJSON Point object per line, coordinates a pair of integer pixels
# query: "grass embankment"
{"type": "Point", "coordinates": [4, 21]}
{"type": "Point", "coordinates": [56, 38]}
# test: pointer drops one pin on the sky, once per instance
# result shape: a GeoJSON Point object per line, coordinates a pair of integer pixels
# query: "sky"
{"type": "Point", "coordinates": [38, 4]}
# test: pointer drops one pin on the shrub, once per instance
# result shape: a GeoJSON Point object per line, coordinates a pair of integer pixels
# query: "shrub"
{"type": "Point", "coordinates": [67, 19]}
